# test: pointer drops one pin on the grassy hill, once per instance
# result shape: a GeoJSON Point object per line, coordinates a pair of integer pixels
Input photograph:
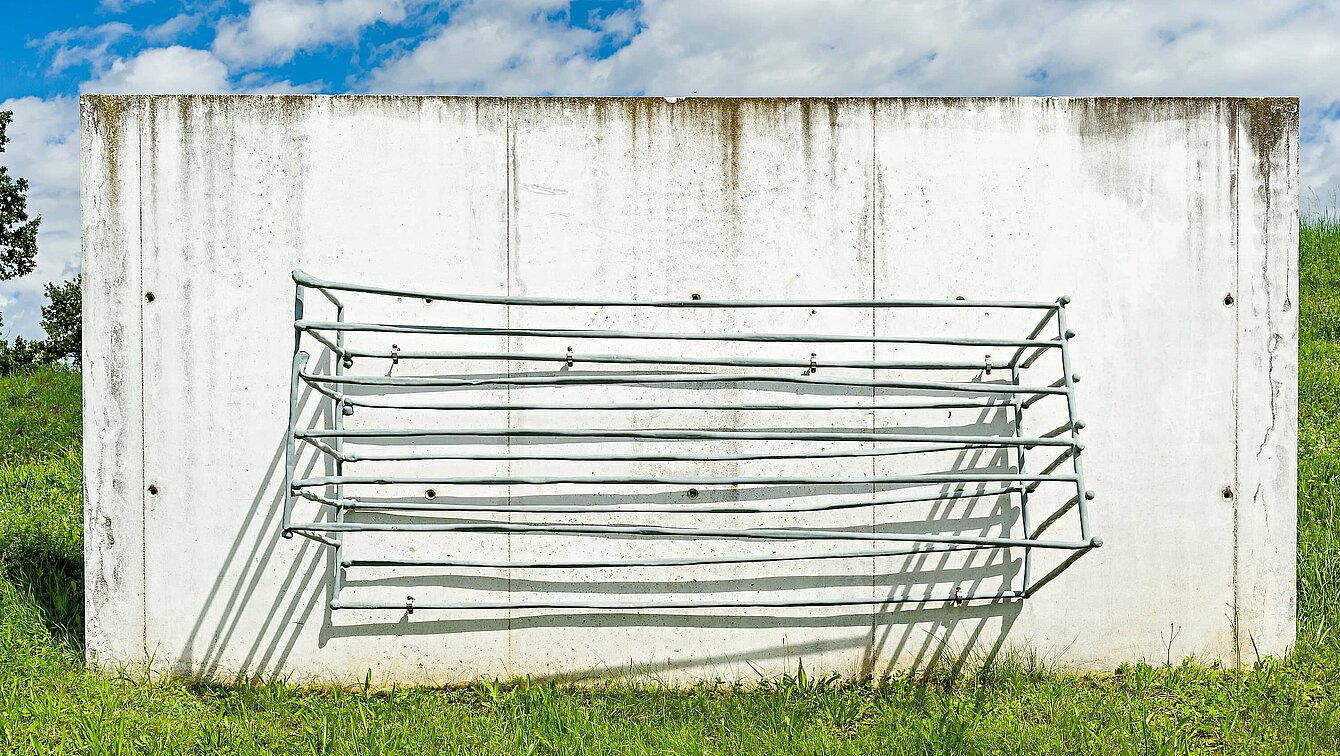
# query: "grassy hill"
{"type": "Point", "coordinates": [50, 704]}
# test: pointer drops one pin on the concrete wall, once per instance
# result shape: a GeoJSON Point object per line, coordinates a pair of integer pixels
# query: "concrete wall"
{"type": "Point", "coordinates": [1149, 213]}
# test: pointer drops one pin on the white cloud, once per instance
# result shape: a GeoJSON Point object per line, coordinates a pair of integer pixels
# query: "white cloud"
{"type": "Point", "coordinates": [118, 6]}
{"type": "Point", "coordinates": [43, 148]}
{"type": "Point", "coordinates": [164, 70]}
{"type": "Point", "coordinates": [86, 45]}
{"type": "Point", "coordinates": [172, 28]}
{"type": "Point", "coordinates": [274, 30]}
{"type": "Point", "coordinates": [512, 47]}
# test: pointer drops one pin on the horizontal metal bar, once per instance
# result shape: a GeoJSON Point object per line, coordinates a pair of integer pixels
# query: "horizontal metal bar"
{"type": "Point", "coordinates": [577, 333]}
{"type": "Point", "coordinates": [653, 457]}
{"type": "Point", "coordinates": [659, 530]}
{"type": "Point", "coordinates": [307, 279]}
{"type": "Point", "coordinates": [756, 603]}
{"type": "Point", "coordinates": [692, 561]}
{"type": "Point", "coordinates": [684, 434]}
{"type": "Point", "coordinates": [646, 359]}
{"type": "Point", "coordinates": [669, 480]}
{"type": "Point", "coordinates": [377, 403]}
{"type": "Point", "coordinates": [579, 379]}
{"type": "Point", "coordinates": [716, 508]}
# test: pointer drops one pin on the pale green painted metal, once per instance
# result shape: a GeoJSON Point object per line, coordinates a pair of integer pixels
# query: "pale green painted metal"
{"type": "Point", "coordinates": [345, 392]}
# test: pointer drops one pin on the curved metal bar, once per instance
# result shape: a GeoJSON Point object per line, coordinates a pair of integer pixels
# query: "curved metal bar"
{"type": "Point", "coordinates": [578, 379]}
{"type": "Point", "coordinates": [632, 606]}
{"type": "Point", "coordinates": [669, 480]}
{"type": "Point", "coordinates": [647, 359]}
{"type": "Point", "coordinates": [721, 508]}
{"type": "Point", "coordinates": [657, 530]}
{"type": "Point", "coordinates": [682, 434]}
{"type": "Point", "coordinates": [576, 333]}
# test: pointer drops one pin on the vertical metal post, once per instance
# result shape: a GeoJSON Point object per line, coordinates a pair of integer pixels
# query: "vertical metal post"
{"type": "Point", "coordinates": [290, 452]}
{"type": "Point", "coordinates": [1082, 494]}
{"type": "Point", "coordinates": [1023, 490]}
{"type": "Point", "coordinates": [337, 579]}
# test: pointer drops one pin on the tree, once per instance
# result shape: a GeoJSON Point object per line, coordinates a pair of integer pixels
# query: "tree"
{"type": "Point", "coordinates": [61, 318]}
{"type": "Point", "coordinates": [18, 232]}
{"type": "Point", "coordinates": [18, 256]}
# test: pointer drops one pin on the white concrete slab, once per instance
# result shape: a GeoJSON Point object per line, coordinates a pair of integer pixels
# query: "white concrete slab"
{"type": "Point", "coordinates": [1147, 212]}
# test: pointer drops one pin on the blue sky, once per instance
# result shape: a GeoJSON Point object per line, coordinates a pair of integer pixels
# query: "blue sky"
{"type": "Point", "coordinates": [52, 51]}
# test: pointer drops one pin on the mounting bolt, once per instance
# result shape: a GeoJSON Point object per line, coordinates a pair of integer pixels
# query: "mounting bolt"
{"type": "Point", "coordinates": [348, 410]}
{"type": "Point", "coordinates": [988, 364]}
{"type": "Point", "coordinates": [409, 604]}
{"type": "Point", "coordinates": [693, 493]}
{"type": "Point", "coordinates": [569, 356]}
{"type": "Point", "coordinates": [395, 354]}
{"type": "Point", "coordinates": [1089, 495]}
{"type": "Point", "coordinates": [1074, 377]}
{"type": "Point", "coordinates": [430, 494]}
{"type": "Point", "coordinates": [348, 362]}
{"type": "Point", "coordinates": [1096, 542]}
{"type": "Point", "coordinates": [814, 365]}
{"type": "Point", "coordinates": [958, 596]}
{"type": "Point", "coordinates": [695, 296]}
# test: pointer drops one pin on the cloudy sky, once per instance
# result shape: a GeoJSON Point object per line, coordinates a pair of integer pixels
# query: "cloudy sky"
{"type": "Point", "coordinates": [52, 51]}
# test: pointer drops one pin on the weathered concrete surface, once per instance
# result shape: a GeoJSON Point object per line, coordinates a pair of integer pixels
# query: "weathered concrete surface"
{"type": "Point", "coordinates": [1149, 213]}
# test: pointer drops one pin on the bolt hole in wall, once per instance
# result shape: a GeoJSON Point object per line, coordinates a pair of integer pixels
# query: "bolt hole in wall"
{"type": "Point", "coordinates": [153, 490]}
{"type": "Point", "coordinates": [1228, 300]}
{"type": "Point", "coordinates": [148, 296]}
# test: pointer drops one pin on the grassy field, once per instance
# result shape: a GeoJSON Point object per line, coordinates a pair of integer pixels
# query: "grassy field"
{"type": "Point", "coordinates": [49, 704]}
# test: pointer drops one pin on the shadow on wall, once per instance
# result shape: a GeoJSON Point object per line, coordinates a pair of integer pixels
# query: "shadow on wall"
{"type": "Point", "coordinates": [247, 627]}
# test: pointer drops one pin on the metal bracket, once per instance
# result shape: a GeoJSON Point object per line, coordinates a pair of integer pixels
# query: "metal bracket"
{"type": "Point", "coordinates": [569, 356]}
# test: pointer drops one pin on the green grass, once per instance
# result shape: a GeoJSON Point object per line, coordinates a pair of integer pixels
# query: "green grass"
{"type": "Point", "coordinates": [50, 704]}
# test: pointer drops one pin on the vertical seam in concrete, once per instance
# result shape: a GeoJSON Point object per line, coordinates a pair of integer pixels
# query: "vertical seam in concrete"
{"type": "Point", "coordinates": [1235, 211]}
{"type": "Point", "coordinates": [874, 354]}
{"type": "Point", "coordinates": [507, 282]}
{"type": "Point", "coordinates": [144, 473]}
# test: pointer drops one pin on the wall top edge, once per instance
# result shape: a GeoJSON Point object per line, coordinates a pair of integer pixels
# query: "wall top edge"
{"type": "Point", "coordinates": [1132, 101]}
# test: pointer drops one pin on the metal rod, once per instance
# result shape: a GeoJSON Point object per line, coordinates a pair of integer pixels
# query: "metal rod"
{"type": "Point", "coordinates": [377, 403]}
{"type": "Point", "coordinates": [578, 564]}
{"type": "Point", "coordinates": [659, 530]}
{"type": "Point", "coordinates": [645, 359]}
{"type": "Point", "coordinates": [331, 345]}
{"type": "Point", "coordinates": [290, 447]}
{"type": "Point", "coordinates": [719, 508]}
{"type": "Point", "coordinates": [654, 457]}
{"type": "Point", "coordinates": [681, 434]}
{"type": "Point", "coordinates": [577, 333]}
{"type": "Point", "coordinates": [1082, 493]}
{"type": "Point", "coordinates": [1019, 450]}
{"type": "Point", "coordinates": [305, 279]}
{"type": "Point", "coordinates": [579, 379]}
{"type": "Point", "coordinates": [758, 603]}
{"type": "Point", "coordinates": [669, 480]}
